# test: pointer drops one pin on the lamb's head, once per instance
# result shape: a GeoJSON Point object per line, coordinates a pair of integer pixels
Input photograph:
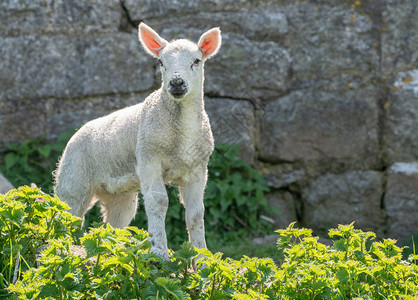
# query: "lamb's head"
{"type": "Point", "coordinates": [181, 60]}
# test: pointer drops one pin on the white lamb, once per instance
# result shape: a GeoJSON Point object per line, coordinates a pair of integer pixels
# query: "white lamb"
{"type": "Point", "coordinates": [165, 139]}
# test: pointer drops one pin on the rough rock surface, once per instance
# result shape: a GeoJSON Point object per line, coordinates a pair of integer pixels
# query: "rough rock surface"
{"type": "Point", "coordinates": [237, 126]}
{"type": "Point", "coordinates": [287, 206]}
{"type": "Point", "coordinates": [5, 185]}
{"type": "Point", "coordinates": [401, 200]}
{"type": "Point", "coordinates": [335, 199]}
{"type": "Point", "coordinates": [35, 67]}
{"type": "Point", "coordinates": [312, 90]}
{"type": "Point", "coordinates": [399, 36]}
{"type": "Point", "coordinates": [311, 125]}
{"type": "Point", "coordinates": [401, 108]}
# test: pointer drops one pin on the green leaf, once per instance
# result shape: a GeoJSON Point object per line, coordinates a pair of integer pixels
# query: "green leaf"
{"type": "Point", "coordinates": [186, 253]}
{"type": "Point", "coordinates": [341, 245]}
{"type": "Point", "coordinates": [91, 246]}
{"type": "Point", "coordinates": [153, 291]}
{"type": "Point", "coordinates": [343, 275]}
{"type": "Point", "coordinates": [10, 160]}
{"type": "Point", "coordinates": [241, 200]}
{"type": "Point", "coordinates": [172, 287]}
{"type": "Point", "coordinates": [49, 290]}
{"type": "Point", "coordinates": [45, 150]}
{"type": "Point", "coordinates": [16, 214]}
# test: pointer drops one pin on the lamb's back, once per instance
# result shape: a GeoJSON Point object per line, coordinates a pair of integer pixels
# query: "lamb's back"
{"type": "Point", "coordinates": [107, 144]}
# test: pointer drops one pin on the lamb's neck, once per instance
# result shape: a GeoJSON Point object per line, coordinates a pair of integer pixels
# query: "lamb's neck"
{"type": "Point", "coordinates": [192, 105]}
{"type": "Point", "coordinates": [189, 107]}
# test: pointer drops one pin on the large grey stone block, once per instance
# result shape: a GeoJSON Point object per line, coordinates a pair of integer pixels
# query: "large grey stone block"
{"type": "Point", "coordinates": [284, 202]}
{"type": "Point", "coordinates": [317, 125]}
{"type": "Point", "coordinates": [149, 9]}
{"type": "Point", "coordinates": [401, 122]}
{"type": "Point", "coordinates": [248, 19]}
{"type": "Point", "coordinates": [61, 66]}
{"type": "Point", "coordinates": [282, 175]}
{"type": "Point", "coordinates": [332, 46]}
{"type": "Point", "coordinates": [334, 199]}
{"type": "Point", "coordinates": [5, 185]}
{"type": "Point", "coordinates": [401, 200]}
{"type": "Point", "coordinates": [22, 17]}
{"type": "Point", "coordinates": [248, 69]}
{"type": "Point", "coordinates": [22, 119]}
{"type": "Point", "coordinates": [399, 36]}
{"type": "Point", "coordinates": [233, 122]}
{"type": "Point", "coordinates": [64, 115]}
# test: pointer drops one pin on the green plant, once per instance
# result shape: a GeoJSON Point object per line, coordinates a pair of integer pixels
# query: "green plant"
{"type": "Point", "coordinates": [235, 198]}
{"type": "Point", "coordinates": [355, 266]}
{"type": "Point", "coordinates": [33, 161]}
{"type": "Point", "coordinates": [28, 219]}
{"type": "Point", "coordinates": [410, 247]}
{"type": "Point", "coordinates": [108, 263]}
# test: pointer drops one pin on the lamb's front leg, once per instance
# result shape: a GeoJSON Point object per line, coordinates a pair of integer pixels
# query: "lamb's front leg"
{"type": "Point", "coordinates": [156, 204]}
{"type": "Point", "coordinates": [191, 195]}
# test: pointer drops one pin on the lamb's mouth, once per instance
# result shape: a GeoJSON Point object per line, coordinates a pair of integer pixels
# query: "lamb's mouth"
{"type": "Point", "coordinates": [178, 92]}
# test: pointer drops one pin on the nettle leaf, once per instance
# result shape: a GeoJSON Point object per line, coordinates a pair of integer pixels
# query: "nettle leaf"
{"type": "Point", "coordinates": [49, 290]}
{"type": "Point", "coordinates": [341, 245]}
{"type": "Point", "coordinates": [172, 287]}
{"type": "Point", "coordinates": [343, 275]}
{"type": "Point", "coordinates": [92, 246]}
{"type": "Point", "coordinates": [10, 159]}
{"type": "Point", "coordinates": [70, 282]}
{"type": "Point", "coordinates": [153, 291]}
{"type": "Point", "coordinates": [45, 150]}
{"type": "Point", "coordinates": [226, 203]}
{"type": "Point", "coordinates": [116, 261]}
{"type": "Point", "coordinates": [16, 214]}
{"type": "Point", "coordinates": [240, 199]}
{"type": "Point", "coordinates": [186, 253]}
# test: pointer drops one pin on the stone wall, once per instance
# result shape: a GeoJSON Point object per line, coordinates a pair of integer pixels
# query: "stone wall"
{"type": "Point", "coordinates": [322, 95]}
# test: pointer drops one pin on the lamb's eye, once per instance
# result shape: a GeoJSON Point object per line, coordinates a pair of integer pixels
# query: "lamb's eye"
{"type": "Point", "coordinates": [161, 63]}
{"type": "Point", "coordinates": [196, 62]}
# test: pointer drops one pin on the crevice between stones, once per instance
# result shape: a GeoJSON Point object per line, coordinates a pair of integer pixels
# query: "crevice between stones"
{"type": "Point", "coordinates": [383, 206]}
{"type": "Point", "coordinates": [127, 24]}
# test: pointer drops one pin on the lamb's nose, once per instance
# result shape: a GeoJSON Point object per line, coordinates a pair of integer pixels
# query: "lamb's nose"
{"type": "Point", "coordinates": [176, 82]}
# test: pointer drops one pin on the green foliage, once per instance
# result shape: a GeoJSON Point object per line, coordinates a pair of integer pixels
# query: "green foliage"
{"type": "Point", "coordinates": [33, 161]}
{"type": "Point", "coordinates": [234, 198]}
{"type": "Point", "coordinates": [355, 266]}
{"type": "Point", "coordinates": [28, 219]}
{"type": "Point", "coordinates": [109, 263]}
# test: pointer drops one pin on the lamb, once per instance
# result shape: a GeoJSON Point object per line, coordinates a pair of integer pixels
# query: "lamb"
{"type": "Point", "coordinates": [165, 139]}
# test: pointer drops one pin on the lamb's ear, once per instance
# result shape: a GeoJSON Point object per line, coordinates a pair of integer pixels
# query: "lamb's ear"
{"type": "Point", "coordinates": [210, 42]}
{"type": "Point", "coordinates": [150, 40]}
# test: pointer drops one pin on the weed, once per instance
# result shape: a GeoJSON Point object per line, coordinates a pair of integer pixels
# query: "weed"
{"type": "Point", "coordinates": [116, 263]}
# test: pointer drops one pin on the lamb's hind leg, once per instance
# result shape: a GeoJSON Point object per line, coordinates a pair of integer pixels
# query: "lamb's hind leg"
{"type": "Point", "coordinates": [118, 209]}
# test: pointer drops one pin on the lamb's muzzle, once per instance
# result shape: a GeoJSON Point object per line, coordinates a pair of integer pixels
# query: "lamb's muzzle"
{"type": "Point", "coordinates": [177, 87]}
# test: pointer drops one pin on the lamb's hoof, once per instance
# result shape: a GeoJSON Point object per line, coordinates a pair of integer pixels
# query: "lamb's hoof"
{"type": "Point", "coordinates": [163, 253]}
